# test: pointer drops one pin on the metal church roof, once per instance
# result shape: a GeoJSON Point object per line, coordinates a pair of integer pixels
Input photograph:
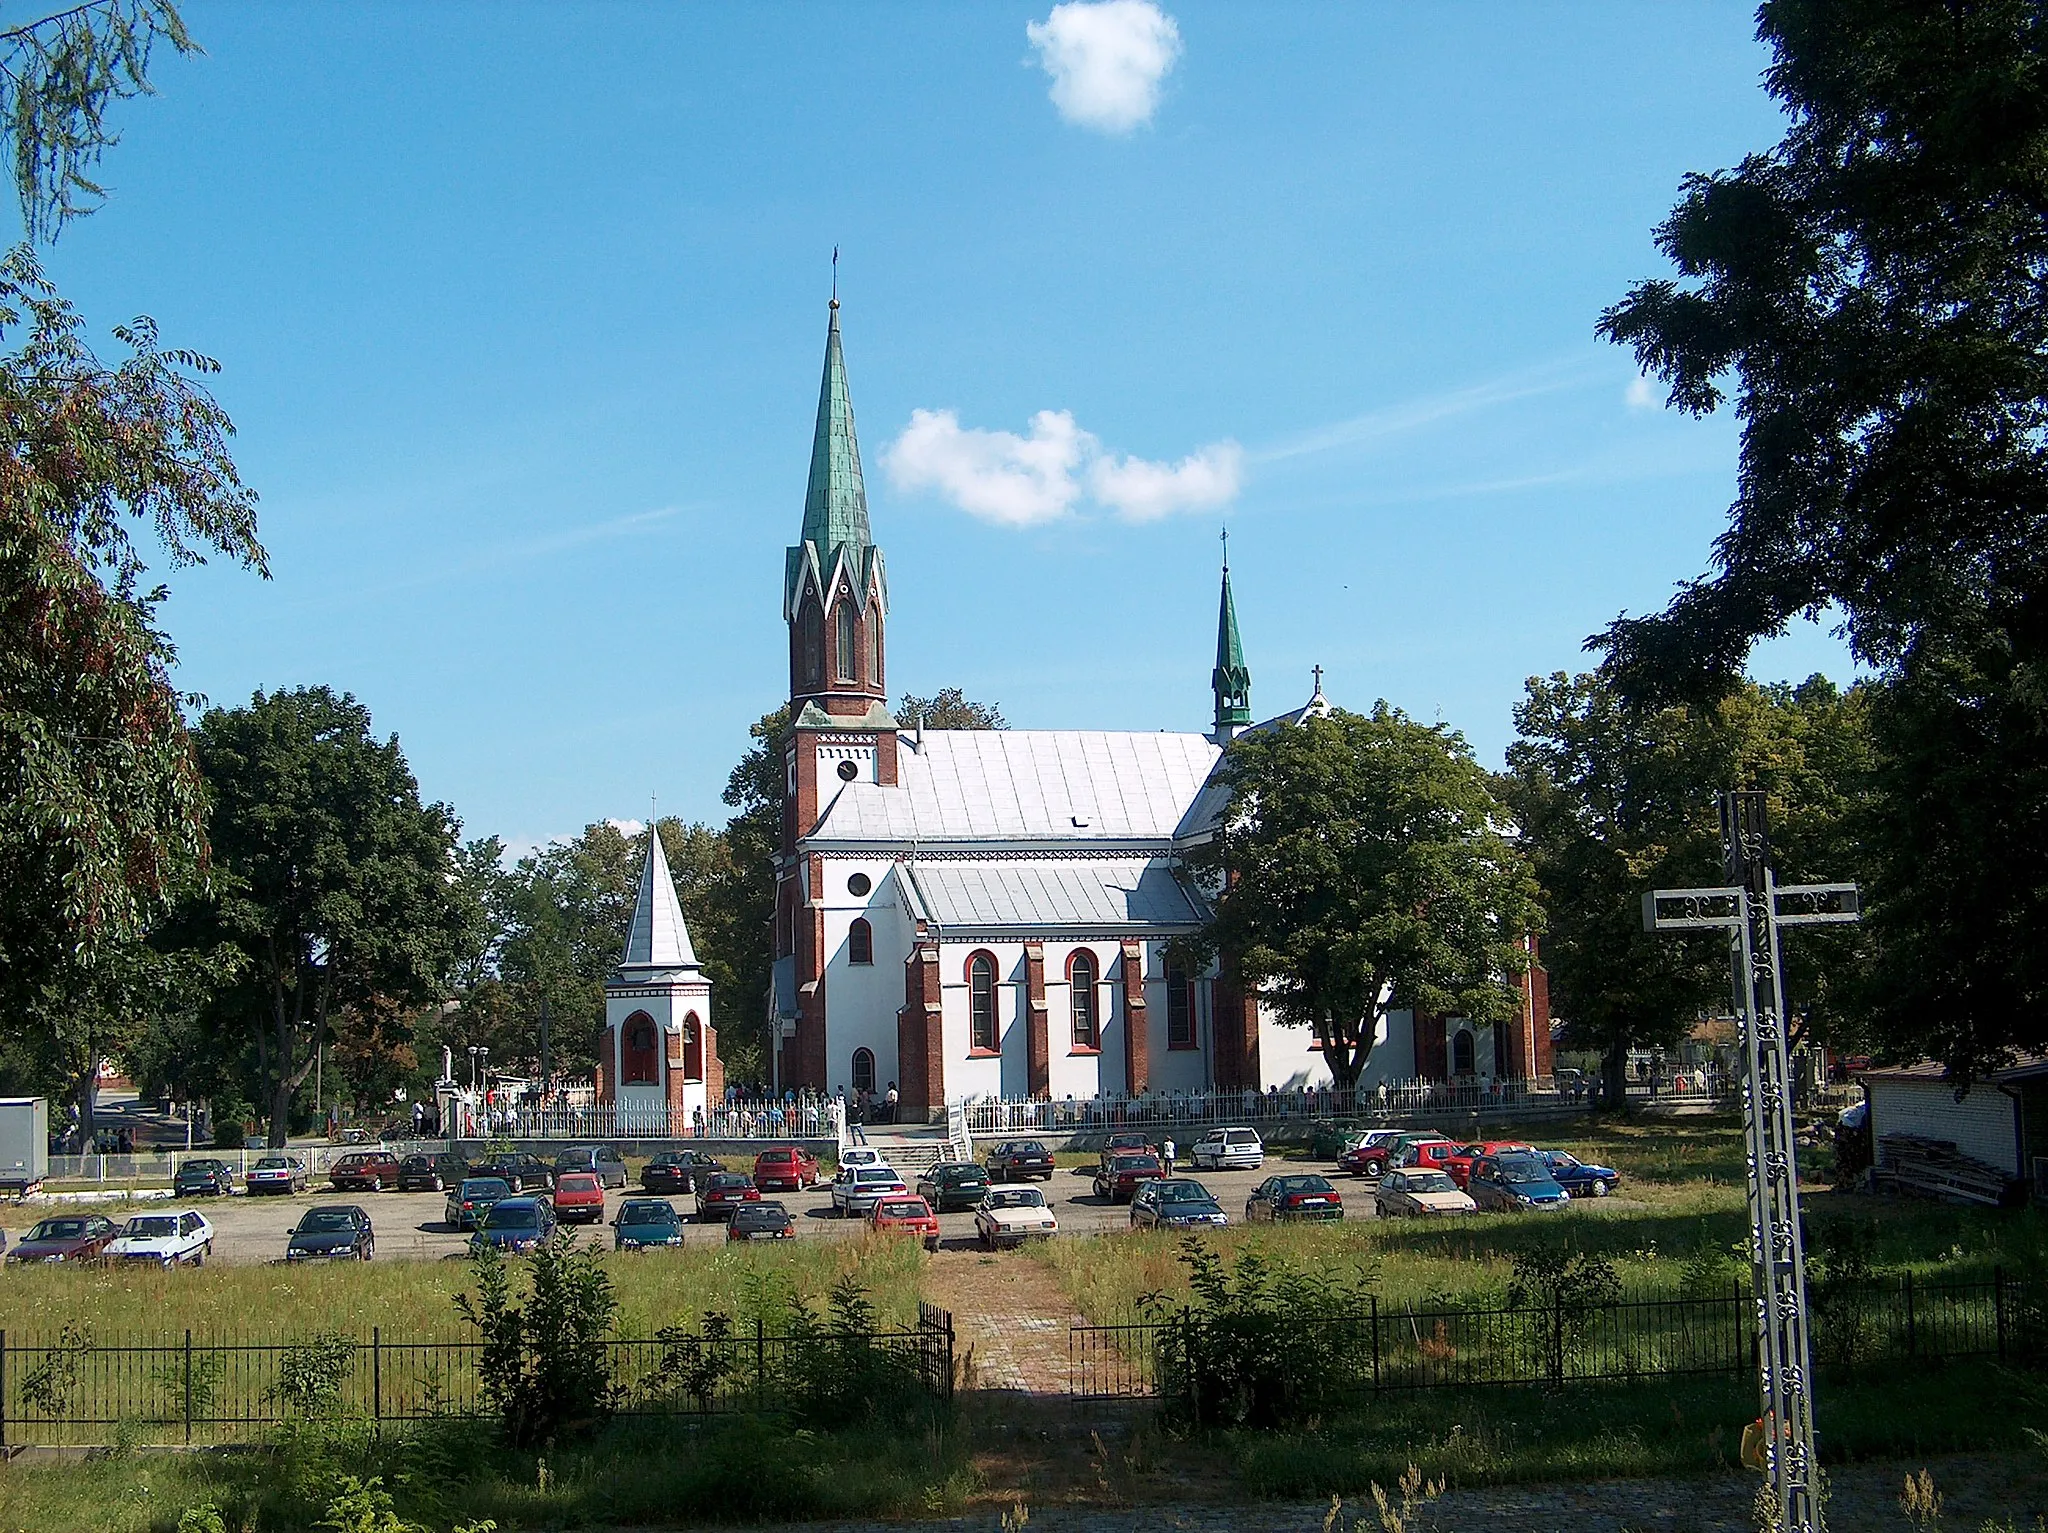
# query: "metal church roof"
{"type": "Point", "coordinates": [658, 937]}
{"type": "Point", "coordinates": [1018, 894]}
{"type": "Point", "coordinates": [836, 501]}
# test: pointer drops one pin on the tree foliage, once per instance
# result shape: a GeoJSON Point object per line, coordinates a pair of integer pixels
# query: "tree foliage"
{"type": "Point", "coordinates": [1360, 867]}
{"type": "Point", "coordinates": [949, 708]}
{"type": "Point", "coordinates": [1612, 801]}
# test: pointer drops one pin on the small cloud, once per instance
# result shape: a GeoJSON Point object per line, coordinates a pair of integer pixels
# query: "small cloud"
{"type": "Point", "coordinates": [1640, 395]}
{"type": "Point", "coordinates": [1017, 481]}
{"type": "Point", "coordinates": [626, 827]}
{"type": "Point", "coordinates": [1106, 59]}
{"type": "Point", "coordinates": [1143, 491]}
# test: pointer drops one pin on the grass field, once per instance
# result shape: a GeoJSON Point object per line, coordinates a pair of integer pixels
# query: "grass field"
{"type": "Point", "coordinates": [417, 1298]}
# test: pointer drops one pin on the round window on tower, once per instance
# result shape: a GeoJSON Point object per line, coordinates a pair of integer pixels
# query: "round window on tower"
{"type": "Point", "coordinates": [848, 771]}
{"type": "Point", "coordinates": [858, 884]}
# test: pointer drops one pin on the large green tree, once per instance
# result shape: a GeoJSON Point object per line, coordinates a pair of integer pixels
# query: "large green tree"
{"type": "Point", "coordinates": [1612, 800]}
{"type": "Point", "coordinates": [332, 878]}
{"type": "Point", "coordinates": [1868, 294]}
{"type": "Point", "coordinates": [1360, 867]}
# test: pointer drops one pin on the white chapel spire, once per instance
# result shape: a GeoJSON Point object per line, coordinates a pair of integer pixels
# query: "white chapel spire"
{"type": "Point", "coordinates": [658, 938]}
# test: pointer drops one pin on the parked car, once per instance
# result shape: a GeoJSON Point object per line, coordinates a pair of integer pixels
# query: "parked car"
{"type": "Point", "coordinates": [203, 1179]}
{"type": "Point", "coordinates": [277, 1173]}
{"type": "Point", "coordinates": [66, 1238]}
{"type": "Point", "coordinates": [1009, 1216]}
{"type": "Point", "coordinates": [473, 1198]}
{"type": "Point", "coordinates": [1515, 1182]}
{"type": "Point", "coordinates": [675, 1171]}
{"type": "Point", "coordinates": [906, 1216]}
{"type": "Point", "coordinates": [602, 1160]}
{"type": "Point", "coordinates": [1119, 1180]}
{"type": "Point", "coordinates": [179, 1238]}
{"type": "Point", "coordinates": [1420, 1193]}
{"type": "Point", "coordinates": [1577, 1178]}
{"type": "Point", "coordinates": [766, 1220]}
{"type": "Point", "coordinates": [721, 1192]}
{"type": "Point", "coordinates": [521, 1170]}
{"type": "Point", "coordinates": [579, 1198]}
{"type": "Point", "coordinates": [1126, 1141]}
{"type": "Point", "coordinates": [514, 1225]}
{"type": "Point", "coordinates": [1228, 1149]}
{"type": "Point", "coordinates": [364, 1171]}
{"type": "Point", "coordinates": [1370, 1153]}
{"type": "Point", "coordinates": [1175, 1203]}
{"type": "Point", "coordinates": [1459, 1162]}
{"type": "Point", "coordinates": [337, 1231]}
{"type": "Point", "coordinates": [1288, 1198]}
{"type": "Point", "coordinates": [1429, 1155]}
{"type": "Point", "coordinates": [856, 1188]}
{"type": "Point", "coordinates": [860, 1155]}
{"type": "Point", "coordinates": [1018, 1160]}
{"type": "Point", "coordinates": [953, 1184]}
{"type": "Point", "coordinates": [430, 1173]}
{"type": "Point", "coordinates": [785, 1166]}
{"type": "Point", "coordinates": [1408, 1139]}
{"type": "Point", "coordinates": [643, 1223]}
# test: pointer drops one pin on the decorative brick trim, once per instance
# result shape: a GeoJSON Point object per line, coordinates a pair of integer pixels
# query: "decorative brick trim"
{"type": "Point", "coordinates": [1037, 1035]}
{"type": "Point", "coordinates": [1137, 1038]}
{"type": "Point", "coordinates": [920, 1034]}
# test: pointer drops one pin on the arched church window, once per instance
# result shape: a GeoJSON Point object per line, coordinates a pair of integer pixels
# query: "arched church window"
{"type": "Point", "coordinates": [1461, 1052]}
{"type": "Point", "coordinates": [693, 1048]}
{"type": "Point", "coordinates": [1180, 1008]}
{"type": "Point", "coordinates": [875, 647]}
{"type": "Point", "coordinates": [1081, 977]}
{"type": "Point", "coordinates": [864, 1070]}
{"type": "Point", "coordinates": [639, 1064]}
{"type": "Point", "coordinates": [814, 645]}
{"type": "Point", "coordinates": [846, 647]}
{"type": "Point", "coordinates": [860, 943]}
{"type": "Point", "coordinates": [981, 1003]}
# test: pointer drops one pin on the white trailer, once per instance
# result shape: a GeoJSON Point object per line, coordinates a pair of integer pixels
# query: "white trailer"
{"type": "Point", "coordinates": [24, 1144]}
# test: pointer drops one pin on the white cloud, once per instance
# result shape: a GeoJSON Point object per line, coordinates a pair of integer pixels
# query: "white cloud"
{"type": "Point", "coordinates": [996, 475]}
{"type": "Point", "coordinates": [1640, 395]}
{"type": "Point", "coordinates": [1106, 60]}
{"type": "Point", "coordinates": [626, 827]}
{"type": "Point", "coordinates": [1143, 491]}
{"type": "Point", "coordinates": [1022, 481]}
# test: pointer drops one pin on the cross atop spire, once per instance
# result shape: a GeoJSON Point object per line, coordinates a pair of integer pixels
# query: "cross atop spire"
{"type": "Point", "coordinates": [1231, 681]}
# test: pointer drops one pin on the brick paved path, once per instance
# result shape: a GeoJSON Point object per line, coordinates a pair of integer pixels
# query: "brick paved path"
{"type": "Point", "coordinates": [1010, 1319]}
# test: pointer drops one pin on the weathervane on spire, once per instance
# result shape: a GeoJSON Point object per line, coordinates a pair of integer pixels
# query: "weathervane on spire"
{"type": "Point", "coordinates": [835, 276]}
{"type": "Point", "coordinates": [1226, 548]}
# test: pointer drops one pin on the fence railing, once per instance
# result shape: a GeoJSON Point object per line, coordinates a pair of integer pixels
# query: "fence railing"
{"type": "Point", "coordinates": [1175, 1359]}
{"type": "Point", "coordinates": [1365, 1104]}
{"type": "Point", "coordinates": [815, 1119]}
{"type": "Point", "coordinates": [73, 1390]}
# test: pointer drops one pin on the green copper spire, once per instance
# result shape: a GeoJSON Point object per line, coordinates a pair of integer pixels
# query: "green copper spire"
{"type": "Point", "coordinates": [1231, 680]}
{"type": "Point", "coordinates": [836, 504]}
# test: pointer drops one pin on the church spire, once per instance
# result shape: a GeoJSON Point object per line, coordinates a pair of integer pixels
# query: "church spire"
{"type": "Point", "coordinates": [658, 937]}
{"type": "Point", "coordinates": [836, 502]}
{"type": "Point", "coordinates": [1231, 680]}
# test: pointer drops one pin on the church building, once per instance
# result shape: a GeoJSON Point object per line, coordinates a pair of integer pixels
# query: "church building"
{"type": "Point", "coordinates": [987, 913]}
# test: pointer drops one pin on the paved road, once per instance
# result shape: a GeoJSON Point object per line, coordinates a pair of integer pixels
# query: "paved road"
{"type": "Point", "coordinates": [410, 1225]}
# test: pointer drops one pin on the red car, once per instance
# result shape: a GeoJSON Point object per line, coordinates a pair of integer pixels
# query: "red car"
{"type": "Point", "coordinates": [910, 1215]}
{"type": "Point", "coordinates": [365, 1171]}
{"type": "Point", "coordinates": [579, 1197]}
{"type": "Point", "coordinates": [785, 1166]}
{"type": "Point", "coordinates": [1459, 1164]}
{"type": "Point", "coordinates": [1117, 1182]}
{"type": "Point", "coordinates": [1428, 1157]}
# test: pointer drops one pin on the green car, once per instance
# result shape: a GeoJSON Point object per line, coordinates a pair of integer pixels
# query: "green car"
{"type": "Point", "coordinates": [953, 1184]}
{"type": "Point", "coordinates": [470, 1203]}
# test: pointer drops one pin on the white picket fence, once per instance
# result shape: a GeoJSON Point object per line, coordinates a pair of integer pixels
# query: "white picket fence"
{"type": "Point", "coordinates": [1365, 1104]}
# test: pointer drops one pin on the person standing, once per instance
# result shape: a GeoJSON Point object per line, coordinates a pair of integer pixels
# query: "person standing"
{"type": "Point", "coordinates": [856, 1118]}
{"type": "Point", "coordinates": [891, 1102]}
{"type": "Point", "coordinates": [1166, 1155]}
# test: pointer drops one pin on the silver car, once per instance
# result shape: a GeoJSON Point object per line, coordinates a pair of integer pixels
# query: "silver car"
{"type": "Point", "coordinates": [857, 1189]}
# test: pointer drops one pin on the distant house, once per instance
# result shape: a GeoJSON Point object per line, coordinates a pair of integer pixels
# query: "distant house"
{"type": "Point", "coordinates": [2001, 1119]}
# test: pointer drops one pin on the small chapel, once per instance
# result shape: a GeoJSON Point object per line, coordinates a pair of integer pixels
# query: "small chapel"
{"type": "Point", "coordinates": [975, 914]}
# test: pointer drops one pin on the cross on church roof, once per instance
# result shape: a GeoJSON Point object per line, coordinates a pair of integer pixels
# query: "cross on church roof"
{"type": "Point", "coordinates": [1319, 677]}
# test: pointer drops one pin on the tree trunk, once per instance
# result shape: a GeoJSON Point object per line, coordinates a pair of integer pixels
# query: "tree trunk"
{"type": "Point", "coordinates": [1346, 1050]}
{"type": "Point", "coordinates": [1614, 1076]}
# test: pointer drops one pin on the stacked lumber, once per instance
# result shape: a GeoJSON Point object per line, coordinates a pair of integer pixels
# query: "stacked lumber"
{"type": "Point", "coordinates": [1935, 1168]}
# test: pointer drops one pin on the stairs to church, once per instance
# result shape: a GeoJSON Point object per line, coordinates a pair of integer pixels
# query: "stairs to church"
{"type": "Point", "coordinates": [912, 1150]}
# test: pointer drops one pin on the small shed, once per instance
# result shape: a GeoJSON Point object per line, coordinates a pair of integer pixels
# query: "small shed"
{"type": "Point", "coordinates": [2001, 1118]}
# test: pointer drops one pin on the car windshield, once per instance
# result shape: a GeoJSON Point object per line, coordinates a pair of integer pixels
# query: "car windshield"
{"type": "Point", "coordinates": [151, 1227]}
{"type": "Point", "coordinates": [879, 1174]}
{"type": "Point", "coordinates": [1430, 1181]}
{"type": "Point", "coordinates": [58, 1229]}
{"type": "Point", "coordinates": [356, 1160]}
{"type": "Point", "coordinates": [1523, 1168]}
{"type": "Point", "coordinates": [901, 1208]}
{"type": "Point", "coordinates": [1183, 1192]}
{"type": "Point", "coordinates": [417, 1163]}
{"type": "Point", "coordinates": [762, 1213]}
{"type": "Point", "coordinates": [515, 1216]}
{"type": "Point", "coordinates": [273, 1163]}
{"type": "Point", "coordinates": [962, 1174]}
{"type": "Point", "coordinates": [1560, 1161]}
{"type": "Point", "coordinates": [727, 1182]}
{"type": "Point", "coordinates": [1135, 1162]}
{"type": "Point", "coordinates": [578, 1182]}
{"type": "Point", "coordinates": [1028, 1147]}
{"type": "Point", "coordinates": [1016, 1197]}
{"type": "Point", "coordinates": [486, 1187]}
{"type": "Point", "coordinates": [1305, 1184]}
{"type": "Point", "coordinates": [647, 1213]}
{"type": "Point", "coordinates": [327, 1221]}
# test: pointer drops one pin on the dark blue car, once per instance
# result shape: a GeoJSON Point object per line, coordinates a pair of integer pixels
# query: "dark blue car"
{"type": "Point", "coordinates": [516, 1225]}
{"type": "Point", "coordinates": [1578, 1178]}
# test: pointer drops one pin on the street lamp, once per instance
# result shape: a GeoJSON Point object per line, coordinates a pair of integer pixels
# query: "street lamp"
{"type": "Point", "coordinates": [473, 1051]}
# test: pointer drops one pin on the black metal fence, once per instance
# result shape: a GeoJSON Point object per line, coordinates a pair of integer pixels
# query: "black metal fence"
{"type": "Point", "coordinates": [73, 1389]}
{"type": "Point", "coordinates": [1349, 1357]}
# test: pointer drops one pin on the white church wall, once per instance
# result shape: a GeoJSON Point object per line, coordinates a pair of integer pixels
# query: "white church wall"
{"type": "Point", "coordinates": [1287, 1057]}
{"type": "Point", "coordinates": [862, 1000]}
{"type": "Point", "coordinates": [1078, 1073]}
{"type": "Point", "coordinates": [1172, 1069]}
{"type": "Point", "coordinates": [968, 1074]}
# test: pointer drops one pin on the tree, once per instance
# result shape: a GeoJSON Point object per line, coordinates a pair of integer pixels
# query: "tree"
{"type": "Point", "coordinates": [1612, 801]}
{"type": "Point", "coordinates": [331, 877]}
{"type": "Point", "coordinates": [1872, 287]}
{"type": "Point", "coordinates": [1360, 868]}
{"type": "Point", "coordinates": [949, 708]}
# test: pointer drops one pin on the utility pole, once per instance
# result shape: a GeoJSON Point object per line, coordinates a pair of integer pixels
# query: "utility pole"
{"type": "Point", "coordinates": [546, 1072]}
{"type": "Point", "coordinates": [1751, 908]}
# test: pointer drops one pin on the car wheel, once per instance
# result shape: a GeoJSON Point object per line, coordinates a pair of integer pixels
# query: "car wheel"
{"type": "Point", "coordinates": [1600, 1189]}
{"type": "Point", "coordinates": [365, 1253]}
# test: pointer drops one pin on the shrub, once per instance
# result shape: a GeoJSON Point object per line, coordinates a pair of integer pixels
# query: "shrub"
{"type": "Point", "coordinates": [545, 1368]}
{"type": "Point", "coordinates": [835, 1372]}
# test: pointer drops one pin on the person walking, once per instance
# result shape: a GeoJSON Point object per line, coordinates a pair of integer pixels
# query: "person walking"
{"type": "Point", "coordinates": [1166, 1155]}
{"type": "Point", "coordinates": [856, 1118]}
{"type": "Point", "coordinates": [891, 1101]}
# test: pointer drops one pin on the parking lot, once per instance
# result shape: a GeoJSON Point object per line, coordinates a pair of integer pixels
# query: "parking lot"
{"type": "Point", "coordinates": [410, 1225]}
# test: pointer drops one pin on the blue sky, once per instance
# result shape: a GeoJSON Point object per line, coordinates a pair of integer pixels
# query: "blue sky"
{"type": "Point", "coordinates": [521, 310]}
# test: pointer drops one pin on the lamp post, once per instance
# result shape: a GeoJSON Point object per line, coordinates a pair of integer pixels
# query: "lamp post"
{"type": "Point", "coordinates": [1751, 907]}
{"type": "Point", "coordinates": [473, 1052]}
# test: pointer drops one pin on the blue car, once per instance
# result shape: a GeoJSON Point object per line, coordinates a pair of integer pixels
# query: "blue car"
{"type": "Point", "coordinates": [1577, 1178]}
{"type": "Point", "coordinates": [1514, 1183]}
{"type": "Point", "coordinates": [516, 1225]}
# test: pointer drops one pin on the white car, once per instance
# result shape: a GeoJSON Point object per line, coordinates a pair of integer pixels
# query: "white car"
{"type": "Point", "coordinates": [860, 1155]}
{"type": "Point", "coordinates": [857, 1189]}
{"type": "Point", "coordinates": [178, 1238]}
{"type": "Point", "coordinates": [1011, 1215]}
{"type": "Point", "coordinates": [276, 1173]}
{"type": "Point", "coordinates": [1228, 1149]}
